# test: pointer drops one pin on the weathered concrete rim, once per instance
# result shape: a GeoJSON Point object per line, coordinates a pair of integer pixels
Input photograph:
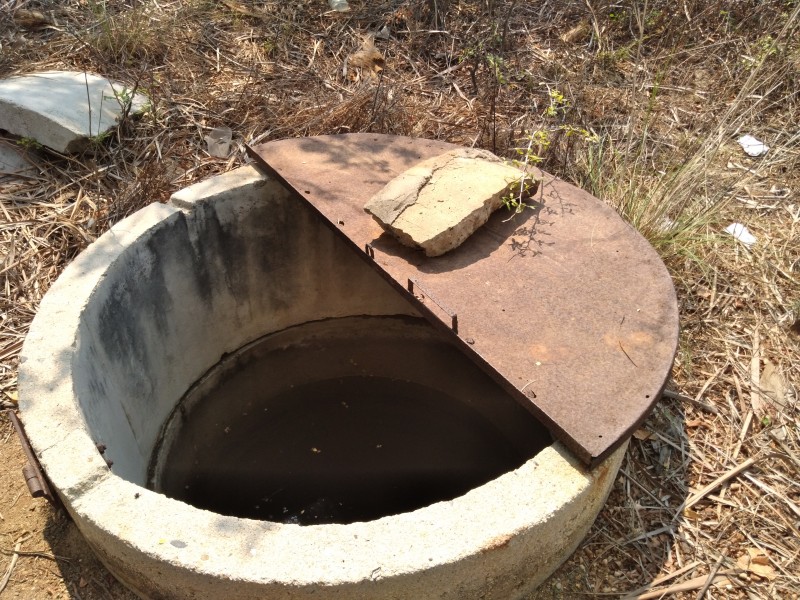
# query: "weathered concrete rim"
{"type": "Point", "coordinates": [166, 549]}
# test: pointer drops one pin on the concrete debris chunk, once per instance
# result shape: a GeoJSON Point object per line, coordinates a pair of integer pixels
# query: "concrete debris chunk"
{"type": "Point", "coordinates": [63, 109]}
{"type": "Point", "coordinates": [440, 202]}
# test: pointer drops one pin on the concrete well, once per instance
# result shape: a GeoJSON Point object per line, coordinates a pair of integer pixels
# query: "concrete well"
{"type": "Point", "coordinates": [221, 348]}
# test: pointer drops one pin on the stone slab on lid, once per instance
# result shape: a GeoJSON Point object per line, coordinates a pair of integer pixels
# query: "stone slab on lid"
{"type": "Point", "coordinates": [438, 203]}
{"type": "Point", "coordinates": [63, 109]}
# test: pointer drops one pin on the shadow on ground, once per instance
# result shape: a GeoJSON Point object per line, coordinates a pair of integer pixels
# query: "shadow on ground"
{"type": "Point", "coordinates": [84, 576]}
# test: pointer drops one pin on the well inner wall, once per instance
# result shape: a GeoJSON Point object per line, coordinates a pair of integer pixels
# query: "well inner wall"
{"type": "Point", "coordinates": [206, 283]}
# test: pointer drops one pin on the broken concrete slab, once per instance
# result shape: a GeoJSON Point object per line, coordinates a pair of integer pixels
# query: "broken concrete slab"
{"type": "Point", "coordinates": [64, 109]}
{"type": "Point", "coordinates": [440, 202]}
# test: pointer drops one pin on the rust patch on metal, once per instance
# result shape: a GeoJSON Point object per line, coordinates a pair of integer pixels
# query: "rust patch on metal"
{"type": "Point", "coordinates": [601, 473]}
{"type": "Point", "coordinates": [543, 353]}
{"type": "Point", "coordinates": [566, 278]}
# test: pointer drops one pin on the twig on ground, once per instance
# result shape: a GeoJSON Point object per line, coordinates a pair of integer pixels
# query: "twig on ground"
{"type": "Point", "coordinates": [710, 579]}
{"type": "Point", "coordinates": [686, 586]}
{"type": "Point", "coordinates": [696, 401]}
{"type": "Point", "coordinates": [10, 569]}
{"type": "Point", "coordinates": [695, 498]}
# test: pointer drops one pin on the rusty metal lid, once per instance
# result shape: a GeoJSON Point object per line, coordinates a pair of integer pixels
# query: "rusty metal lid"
{"type": "Point", "coordinates": [565, 304]}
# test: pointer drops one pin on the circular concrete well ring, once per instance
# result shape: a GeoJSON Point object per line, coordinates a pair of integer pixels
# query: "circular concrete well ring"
{"type": "Point", "coordinates": [115, 346]}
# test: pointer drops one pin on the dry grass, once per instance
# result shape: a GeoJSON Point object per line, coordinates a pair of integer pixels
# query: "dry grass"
{"type": "Point", "coordinates": [707, 502]}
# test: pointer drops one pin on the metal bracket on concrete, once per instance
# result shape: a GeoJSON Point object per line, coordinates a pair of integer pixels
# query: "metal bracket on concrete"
{"type": "Point", "coordinates": [450, 313]}
{"type": "Point", "coordinates": [34, 478]}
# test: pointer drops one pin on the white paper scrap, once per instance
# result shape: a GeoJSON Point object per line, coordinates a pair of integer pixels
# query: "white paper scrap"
{"type": "Point", "coordinates": [741, 233]}
{"type": "Point", "coordinates": [752, 146]}
{"type": "Point", "coordinates": [339, 5]}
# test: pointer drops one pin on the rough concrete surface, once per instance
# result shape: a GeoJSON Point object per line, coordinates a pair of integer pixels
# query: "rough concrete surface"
{"type": "Point", "coordinates": [63, 109]}
{"type": "Point", "coordinates": [146, 310]}
{"type": "Point", "coordinates": [440, 202]}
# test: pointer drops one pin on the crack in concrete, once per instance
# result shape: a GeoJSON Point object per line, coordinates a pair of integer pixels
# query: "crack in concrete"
{"type": "Point", "coordinates": [40, 453]}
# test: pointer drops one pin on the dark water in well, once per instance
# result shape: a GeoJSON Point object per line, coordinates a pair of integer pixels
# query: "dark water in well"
{"type": "Point", "coordinates": [353, 447]}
